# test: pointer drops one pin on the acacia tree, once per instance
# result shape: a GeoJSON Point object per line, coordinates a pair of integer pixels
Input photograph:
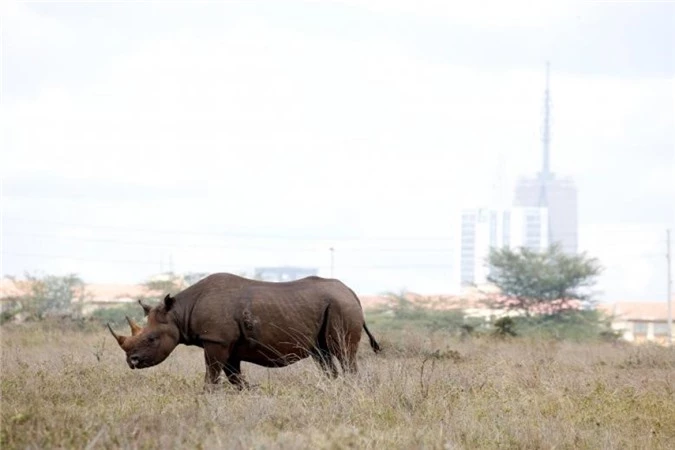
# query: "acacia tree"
{"type": "Point", "coordinates": [543, 282]}
{"type": "Point", "coordinates": [169, 283]}
{"type": "Point", "coordinates": [50, 295]}
{"type": "Point", "coordinates": [166, 283]}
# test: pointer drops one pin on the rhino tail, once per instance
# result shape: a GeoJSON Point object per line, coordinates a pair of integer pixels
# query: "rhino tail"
{"type": "Point", "coordinates": [373, 342]}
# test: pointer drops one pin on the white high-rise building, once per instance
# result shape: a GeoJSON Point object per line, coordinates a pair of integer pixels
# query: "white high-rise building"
{"type": "Point", "coordinates": [483, 229]}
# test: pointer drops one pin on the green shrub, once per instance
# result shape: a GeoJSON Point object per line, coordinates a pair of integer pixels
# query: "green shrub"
{"type": "Point", "coordinates": [504, 326]}
{"type": "Point", "coordinates": [569, 325]}
{"type": "Point", "coordinates": [115, 315]}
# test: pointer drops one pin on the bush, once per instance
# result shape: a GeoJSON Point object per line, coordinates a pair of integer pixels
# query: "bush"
{"type": "Point", "coordinates": [9, 310]}
{"type": "Point", "coordinates": [47, 296]}
{"type": "Point", "coordinates": [504, 326]}
{"type": "Point", "coordinates": [115, 315]}
{"type": "Point", "coordinates": [575, 325]}
{"type": "Point", "coordinates": [402, 314]}
{"type": "Point", "coordinates": [568, 325]}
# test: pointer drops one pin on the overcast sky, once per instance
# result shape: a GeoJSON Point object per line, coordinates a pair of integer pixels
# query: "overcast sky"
{"type": "Point", "coordinates": [224, 136]}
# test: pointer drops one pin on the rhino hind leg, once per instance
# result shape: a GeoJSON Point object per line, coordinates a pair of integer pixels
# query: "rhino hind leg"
{"type": "Point", "coordinates": [321, 352]}
{"type": "Point", "coordinates": [343, 342]}
{"type": "Point", "coordinates": [343, 338]}
{"type": "Point", "coordinates": [348, 364]}
{"type": "Point", "coordinates": [345, 351]}
{"type": "Point", "coordinates": [325, 360]}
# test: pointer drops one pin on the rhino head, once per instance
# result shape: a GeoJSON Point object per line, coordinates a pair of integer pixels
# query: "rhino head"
{"type": "Point", "coordinates": [150, 345]}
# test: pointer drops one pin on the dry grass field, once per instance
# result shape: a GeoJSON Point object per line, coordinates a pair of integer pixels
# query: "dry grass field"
{"type": "Point", "coordinates": [68, 389]}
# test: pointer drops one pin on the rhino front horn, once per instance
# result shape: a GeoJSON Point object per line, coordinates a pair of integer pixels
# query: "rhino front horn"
{"type": "Point", "coordinates": [120, 339]}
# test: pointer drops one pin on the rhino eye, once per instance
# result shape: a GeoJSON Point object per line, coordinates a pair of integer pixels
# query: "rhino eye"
{"type": "Point", "coordinates": [152, 338]}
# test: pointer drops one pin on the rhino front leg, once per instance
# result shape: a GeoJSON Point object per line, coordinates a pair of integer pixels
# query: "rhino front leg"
{"type": "Point", "coordinates": [213, 369]}
{"type": "Point", "coordinates": [217, 357]}
{"type": "Point", "coordinates": [233, 373]}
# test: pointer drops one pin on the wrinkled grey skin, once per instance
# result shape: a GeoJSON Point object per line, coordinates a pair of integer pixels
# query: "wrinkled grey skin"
{"type": "Point", "coordinates": [235, 319]}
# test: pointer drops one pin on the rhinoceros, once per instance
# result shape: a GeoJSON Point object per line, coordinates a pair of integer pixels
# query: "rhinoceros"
{"type": "Point", "coordinates": [235, 319]}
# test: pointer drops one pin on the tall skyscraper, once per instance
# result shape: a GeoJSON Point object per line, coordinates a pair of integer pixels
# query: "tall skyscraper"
{"type": "Point", "coordinates": [544, 211]}
{"type": "Point", "coordinates": [545, 190]}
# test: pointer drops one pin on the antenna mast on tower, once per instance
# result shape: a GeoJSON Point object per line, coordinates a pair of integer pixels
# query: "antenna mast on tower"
{"type": "Point", "coordinates": [545, 178]}
{"type": "Point", "coordinates": [545, 174]}
{"type": "Point", "coordinates": [546, 135]}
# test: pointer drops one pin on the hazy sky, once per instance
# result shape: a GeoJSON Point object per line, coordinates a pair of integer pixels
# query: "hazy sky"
{"type": "Point", "coordinates": [223, 136]}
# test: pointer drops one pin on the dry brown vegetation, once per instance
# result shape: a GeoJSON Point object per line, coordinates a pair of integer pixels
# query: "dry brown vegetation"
{"type": "Point", "coordinates": [73, 390]}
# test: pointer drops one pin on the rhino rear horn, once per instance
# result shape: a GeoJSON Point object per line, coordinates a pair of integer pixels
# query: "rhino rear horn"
{"type": "Point", "coordinates": [135, 328]}
{"type": "Point", "coordinates": [120, 339]}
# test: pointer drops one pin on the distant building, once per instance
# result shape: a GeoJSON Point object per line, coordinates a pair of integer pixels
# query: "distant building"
{"type": "Point", "coordinates": [483, 229]}
{"type": "Point", "coordinates": [559, 197]}
{"type": "Point", "coordinates": [284, 273]}
{"type": "Point", "coordinates": [545, 190]}
{"type": "Point", "coordinates": [639, 322]}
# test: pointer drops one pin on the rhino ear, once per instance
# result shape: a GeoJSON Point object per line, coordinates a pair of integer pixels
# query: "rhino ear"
{"type": "Point", "coordinates": [168, 302]}
{"type": "Point", "coordinates": [146, 308]}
